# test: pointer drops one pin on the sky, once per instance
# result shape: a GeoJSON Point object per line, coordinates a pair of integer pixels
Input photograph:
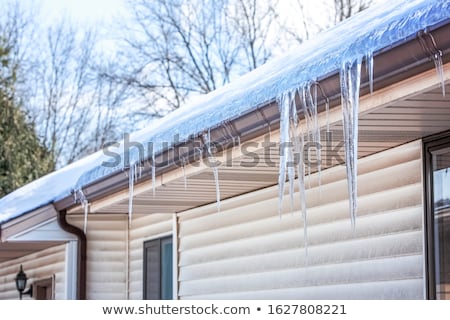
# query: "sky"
{"type": "Point", "coordinates": [81, 11]}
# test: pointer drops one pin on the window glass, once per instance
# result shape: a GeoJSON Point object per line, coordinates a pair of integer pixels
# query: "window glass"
{"type": "Point", "coordinates": [166, 269]}
{"type": "Point", "coordinates": [441, 221]}
{"type": "Point", "coordinates": [158, 270]}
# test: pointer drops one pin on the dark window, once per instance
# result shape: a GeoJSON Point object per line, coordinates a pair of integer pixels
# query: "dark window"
{"type": "Point", "coordinates": [437, 196]}
{"type": "Point", "coordinates": [158, 283]}
{"type": "Point", "coordinates": [43, 289]}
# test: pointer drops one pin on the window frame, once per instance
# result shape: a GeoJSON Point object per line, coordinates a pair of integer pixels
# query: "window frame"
{"type": "Point", "coordinates": [159, 242]}
{"type": "Point", "coordinates": [40, 284]}
{"type": "Point", "coordinates": [430, 145]}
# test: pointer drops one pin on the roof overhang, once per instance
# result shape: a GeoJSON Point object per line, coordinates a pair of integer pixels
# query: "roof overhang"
{"type": "Point", "coordinates": [404, 73]}
{"type": "Point", "coordinates": [392, 116]}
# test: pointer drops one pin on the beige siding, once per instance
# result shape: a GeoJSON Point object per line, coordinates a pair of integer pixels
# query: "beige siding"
{"type": "Point", "coordinates": [247, 251]}
{"type": "Point", "coordinates": [40, 265]}
{"type": "Point", "coordinates": [144, 227]}
{"type": "Point", "coordinates": [106, 255]}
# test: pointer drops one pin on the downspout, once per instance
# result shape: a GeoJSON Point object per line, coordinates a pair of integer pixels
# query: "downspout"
{"type": "Point", "coordinates": [81, 253]}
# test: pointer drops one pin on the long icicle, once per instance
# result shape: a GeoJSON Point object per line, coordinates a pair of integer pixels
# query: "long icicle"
{"type": "Point", "coordinates": [283, 104]}
{"type": "Point", "coordinates": [369, 69]}
{"type": "Point", "coordinates": [298, 149]}
{"type": "Point", "coordinates": [437, 58]}
{"type": "Point", "coordinates": [350, 82]}
{"type": "Point", "coordinates": [153, 173]}
{"type": "Point", "coordinates": [85, 205]}
{"type": "Point", "coordinates": [212, 161]}
{"type": "Point", "coordinates": [131, 180]}
{"type": "Point", "coordinates": [315, 130]}
{"type": "Point", "coordinates": [309, 118]}
{"type": "Point", "coordinates": [290, 160]}
{"type": "Point", "coordinates": [183, 166]}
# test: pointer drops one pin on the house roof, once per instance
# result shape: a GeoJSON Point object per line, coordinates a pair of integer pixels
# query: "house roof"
{"type": "Point", "coordinates": [363, 35]}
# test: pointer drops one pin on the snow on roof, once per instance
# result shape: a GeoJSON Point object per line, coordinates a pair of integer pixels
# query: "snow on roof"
{"type": "Point", "coordinates": [360, 36]}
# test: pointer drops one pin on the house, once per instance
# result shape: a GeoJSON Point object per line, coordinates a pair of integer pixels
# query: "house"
{"type": "Point", "coordinates": [320, 175]}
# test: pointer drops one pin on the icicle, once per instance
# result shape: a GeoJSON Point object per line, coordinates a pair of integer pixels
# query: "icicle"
{"type": "Point", "coordinates": [308, 120]}
{"type": "Point", "coordinates": [317, 142]}
{"type": "Point", "coordinates": [184, 175]}
{"type": "Point", "coordinates": [291, 165]}
{"type": "Point", "coordinates": [153, 173]}
{"type": "Point", "coordinates": [85, 205]}
{"type": "Point", "coordinates": [284, 153]}
{"type": "Point", "coordinates": [350, 81]}
{"type": "Point", "coordinates": [309, 103]}
{"type": "Point", "coordinates": [437, 58]}
{"type": "Point", "coordinates": [212, 160]}
{"type": "Point", "coordinates": [302, 191]}
{"type": "Point", "coordinates": [86, 211]}
{"type": "Point", "coordinates": [131, 180]}
{"type": "Point", "coordinates": [298, 149]}
{"type": "Point", "coordinates": [136, 172]}
{"type": "Point", "coordinates": [369, 69]}
{"type": "Point", "coordinates": [216, 179]}
{"type": "Point", "coordinates": [327, 111]}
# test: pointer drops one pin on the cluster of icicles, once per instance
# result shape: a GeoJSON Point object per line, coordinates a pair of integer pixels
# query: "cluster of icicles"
{"type": "Point", "coordinates": [293, 138]}
{"type": "Point", "coordinates": [134, 173]}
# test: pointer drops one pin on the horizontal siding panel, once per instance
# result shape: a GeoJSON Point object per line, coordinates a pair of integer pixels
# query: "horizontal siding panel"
{"type": "Point", "coordinates": [352, 249]}
{"type": "Point", "coordinates": [409, 289]}
{"type": "Point", "coordinates": [406, 267]}
{"type": "Point", "coordinates": [148, 231]}
{"type": "Point", "coordinates": [248, 251]}
{"type": "Point", "coordinates": [102, 250]}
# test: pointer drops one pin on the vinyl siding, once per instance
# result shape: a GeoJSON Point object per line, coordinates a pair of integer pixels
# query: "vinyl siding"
{"type": "Point", "coordinates": [246, 251]}
{"type": "Point", "coordinates": [106, 255]}
{"type": "Point", "coordinates": [40, 265]}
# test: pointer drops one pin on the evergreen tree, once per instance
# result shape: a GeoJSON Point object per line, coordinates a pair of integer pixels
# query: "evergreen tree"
{"type": "Point", "coordinates": [22, 156]}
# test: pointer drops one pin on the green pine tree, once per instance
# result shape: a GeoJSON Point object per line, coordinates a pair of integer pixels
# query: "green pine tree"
{"type": "Point", "coordinates": [22, 156]}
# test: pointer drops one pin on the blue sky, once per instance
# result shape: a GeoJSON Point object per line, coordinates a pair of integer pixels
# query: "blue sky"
{"type": "Point", "coordinates": [82, 11]}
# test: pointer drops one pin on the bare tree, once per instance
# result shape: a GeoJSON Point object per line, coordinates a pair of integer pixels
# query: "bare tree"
{"type": "Point", "coordinates": [178, 48]}
{"type": "Point", "coordinates": [75, 108]}
{"type": "Point", "coordinates": [344, 9]}
{"type": "Point", "coordinates": [253, 23]}
{"type": "Point", "coordinates": [311, 18]}
{"type": "Point", "coordinates": [63, 91]}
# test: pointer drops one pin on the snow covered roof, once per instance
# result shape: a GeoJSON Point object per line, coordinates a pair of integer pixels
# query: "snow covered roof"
{"type": "Point", "coordinates": [360, 36]}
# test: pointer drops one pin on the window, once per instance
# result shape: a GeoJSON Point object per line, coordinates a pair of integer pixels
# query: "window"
{"type": "Point", "coordinates": [437, 191]}
{"type": "Point", "coordinates": [158, 280]}
{"type": "Point", "coordinates": [44, 289]}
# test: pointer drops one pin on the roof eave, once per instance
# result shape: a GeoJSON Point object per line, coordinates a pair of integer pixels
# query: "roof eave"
{"type": "Point", "coordinates": [392, 64]}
